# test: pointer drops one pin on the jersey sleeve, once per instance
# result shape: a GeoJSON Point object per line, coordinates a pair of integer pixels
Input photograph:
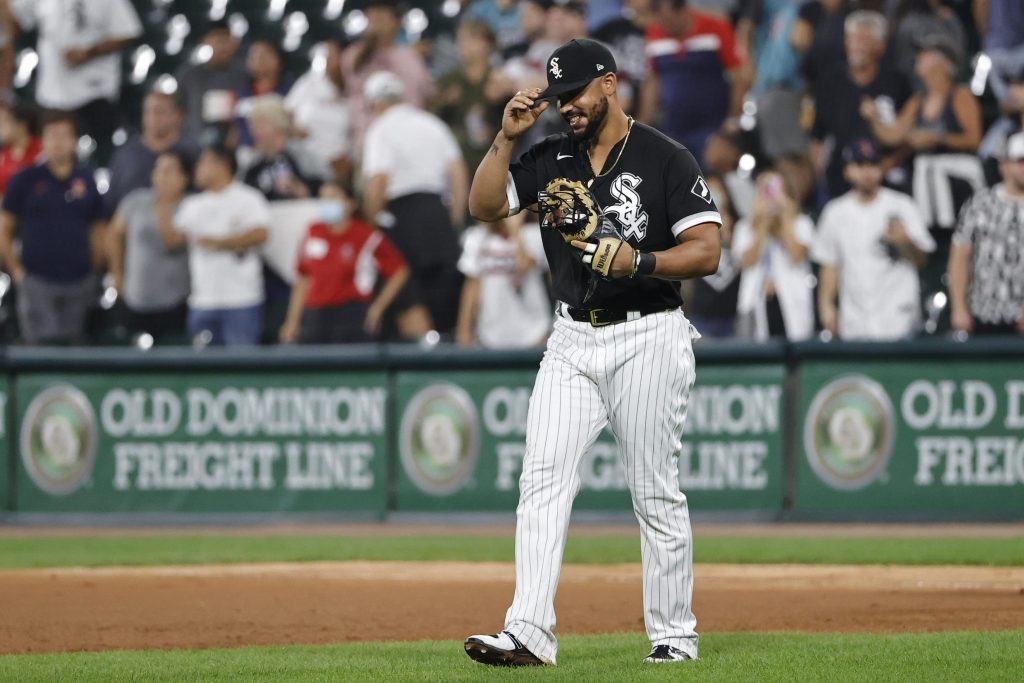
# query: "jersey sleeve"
{"type": "Point", "coordinates": [389, 259]}
{"type": "Point", "coordinates": [521, 187]}
{"type": "Point", "coordinates": [688, 197]}
{"type": "Point", "coordinates": [469, 261]}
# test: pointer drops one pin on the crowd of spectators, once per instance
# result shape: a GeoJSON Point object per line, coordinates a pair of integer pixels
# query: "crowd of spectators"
{"type": "Point", "coordinates": [867, 157]}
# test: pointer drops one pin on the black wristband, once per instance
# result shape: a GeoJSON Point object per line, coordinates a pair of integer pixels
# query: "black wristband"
{"type": "Point", "coordinates": [646, 264]}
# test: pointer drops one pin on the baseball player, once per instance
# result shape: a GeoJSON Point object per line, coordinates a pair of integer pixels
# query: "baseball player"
{"type": "Point", "coordinates": [625, 216]}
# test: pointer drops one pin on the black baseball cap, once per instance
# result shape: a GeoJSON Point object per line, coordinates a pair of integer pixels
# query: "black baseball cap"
{"type": "Point", "coordinates": [571, 67]}
{"type": "Point", "coordinates": [862, 151]}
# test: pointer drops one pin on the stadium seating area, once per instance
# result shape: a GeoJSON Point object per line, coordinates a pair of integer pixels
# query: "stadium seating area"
{"type": "Point", "coordinates": [770, 86]}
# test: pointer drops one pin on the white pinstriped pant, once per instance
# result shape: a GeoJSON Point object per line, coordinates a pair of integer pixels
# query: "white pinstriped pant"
{"type": "Point", "coordinates": [635, 376]}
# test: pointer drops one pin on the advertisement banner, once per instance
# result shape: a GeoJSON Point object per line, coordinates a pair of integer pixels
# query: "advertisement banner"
{"type": "Point", "coordinates": [462, 437]}
{"type": "Point", "coordinates": [911, 437]}
{"type": "Point", "coordinates": [202, 442]}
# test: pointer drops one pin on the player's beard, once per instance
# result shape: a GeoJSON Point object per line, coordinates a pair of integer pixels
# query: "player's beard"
{"type": "Point", "coordinates": [595, 122]}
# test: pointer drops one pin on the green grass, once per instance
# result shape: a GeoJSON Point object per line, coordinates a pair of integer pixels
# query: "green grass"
{"type": "Point", "coordinates": [97, 551]}
{"type": "Point", "coordinates": [724, 657]}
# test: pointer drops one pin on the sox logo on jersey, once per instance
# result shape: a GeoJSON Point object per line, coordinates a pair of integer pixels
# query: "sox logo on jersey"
{"type": "Point", "coordinates": [628, 211]}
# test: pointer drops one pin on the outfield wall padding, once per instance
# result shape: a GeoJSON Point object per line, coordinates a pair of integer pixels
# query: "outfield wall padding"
{"type": "Point", "coordinates": [809, 430]}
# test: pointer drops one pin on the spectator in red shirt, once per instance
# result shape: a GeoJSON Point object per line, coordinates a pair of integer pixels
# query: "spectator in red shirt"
{"type": "Point", "coordinates": [333, 300]}
{"type": "Point", "coordinates": [20, 139]}
{"type": "Point", "coordinates": [696, 74]}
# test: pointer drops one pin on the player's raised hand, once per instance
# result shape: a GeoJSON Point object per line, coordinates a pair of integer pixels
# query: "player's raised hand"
{"type": "Point", "coordinates": [521, 112]}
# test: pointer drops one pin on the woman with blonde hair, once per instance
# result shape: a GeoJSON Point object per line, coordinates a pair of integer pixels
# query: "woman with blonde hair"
{"type": "Point", "coordinates": [771, 246]}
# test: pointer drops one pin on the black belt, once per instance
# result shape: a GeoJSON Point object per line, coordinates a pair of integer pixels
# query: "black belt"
{"type": "Point", "coordinates": [599, 317]}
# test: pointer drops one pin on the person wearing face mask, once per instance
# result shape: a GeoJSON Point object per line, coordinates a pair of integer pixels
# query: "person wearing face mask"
{"type": "Point", "coordinates": [333, 298]}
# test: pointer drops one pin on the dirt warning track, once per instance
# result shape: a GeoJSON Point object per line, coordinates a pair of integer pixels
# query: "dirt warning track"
{"type": "Point", "coordinates": [49, 610]}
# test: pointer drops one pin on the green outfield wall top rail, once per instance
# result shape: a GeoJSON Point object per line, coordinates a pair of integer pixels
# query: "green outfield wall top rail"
{"type": "Point", "coordinates": [352, 357]}
{"type": "Point", "coordinates": [918, 349]}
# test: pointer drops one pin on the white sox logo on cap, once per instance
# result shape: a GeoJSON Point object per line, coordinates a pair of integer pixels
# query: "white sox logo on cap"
{"type": "Point", "coordinates": [556, 71]}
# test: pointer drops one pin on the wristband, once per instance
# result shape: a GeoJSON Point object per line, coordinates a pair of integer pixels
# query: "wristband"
{"type": "Point", "coordinates": [644, 263]}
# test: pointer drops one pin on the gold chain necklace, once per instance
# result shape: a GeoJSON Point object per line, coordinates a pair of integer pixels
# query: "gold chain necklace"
{"type": "Point", "coordinates": [629, 129]}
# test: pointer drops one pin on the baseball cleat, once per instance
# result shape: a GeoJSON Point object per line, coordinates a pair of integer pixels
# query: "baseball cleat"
{"type": "Point", "coordinates": [665, 654]}
{"type": "Point", "coordinates": [503, 649]}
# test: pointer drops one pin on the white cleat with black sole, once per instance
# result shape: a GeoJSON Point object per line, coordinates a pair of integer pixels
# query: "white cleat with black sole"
{"type": "Point", "coordinates": [502, 649]}
{"type": "Point", "coordinates": [666, 654]}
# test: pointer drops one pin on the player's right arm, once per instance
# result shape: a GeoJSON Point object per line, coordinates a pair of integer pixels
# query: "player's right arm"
{"type": "Point", "coordinates": [488, 198]}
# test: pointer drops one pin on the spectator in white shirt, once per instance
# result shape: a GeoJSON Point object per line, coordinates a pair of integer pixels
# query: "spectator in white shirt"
{"type": "Point", "coordinates": [79, 48]}
{"type": "Point", "coordinates": [223, 226]}
{"type": "Point", "coordinates": [771, 246]}
{"type": "Point", "coordinates": [410, 161]}
{"type": "Point", "coordinates": [322, 116]}
{"type": "Point", "coordinates": [505, 303]}
{"type": "Point", "coordinates": [871, 242]}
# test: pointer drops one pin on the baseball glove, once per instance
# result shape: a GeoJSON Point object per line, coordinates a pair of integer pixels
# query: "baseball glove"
{"type": "Point", "coordinates": [570, 207]}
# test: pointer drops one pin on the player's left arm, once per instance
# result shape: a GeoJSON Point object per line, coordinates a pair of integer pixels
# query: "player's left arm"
{"type": "Point", "coordinates": [695, 255]}
{"type": "Point", "coordinates": [691, 216]}
{"type": "Point", "coordinates": [694, 220]}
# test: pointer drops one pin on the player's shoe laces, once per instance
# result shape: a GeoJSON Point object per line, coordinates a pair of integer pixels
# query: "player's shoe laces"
{"type": "Point", "coordinates": [664, 654]}
{"type": "Point", "coordinates": [502, 649]}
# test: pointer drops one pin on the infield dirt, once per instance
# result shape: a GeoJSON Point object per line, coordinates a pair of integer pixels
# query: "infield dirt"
{"type": "Point", "coordinates": [51, 610]}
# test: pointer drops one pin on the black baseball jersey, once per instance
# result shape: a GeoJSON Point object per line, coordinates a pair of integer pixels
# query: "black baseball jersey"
{"type": "Point", "coordinates": [652, 194]}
